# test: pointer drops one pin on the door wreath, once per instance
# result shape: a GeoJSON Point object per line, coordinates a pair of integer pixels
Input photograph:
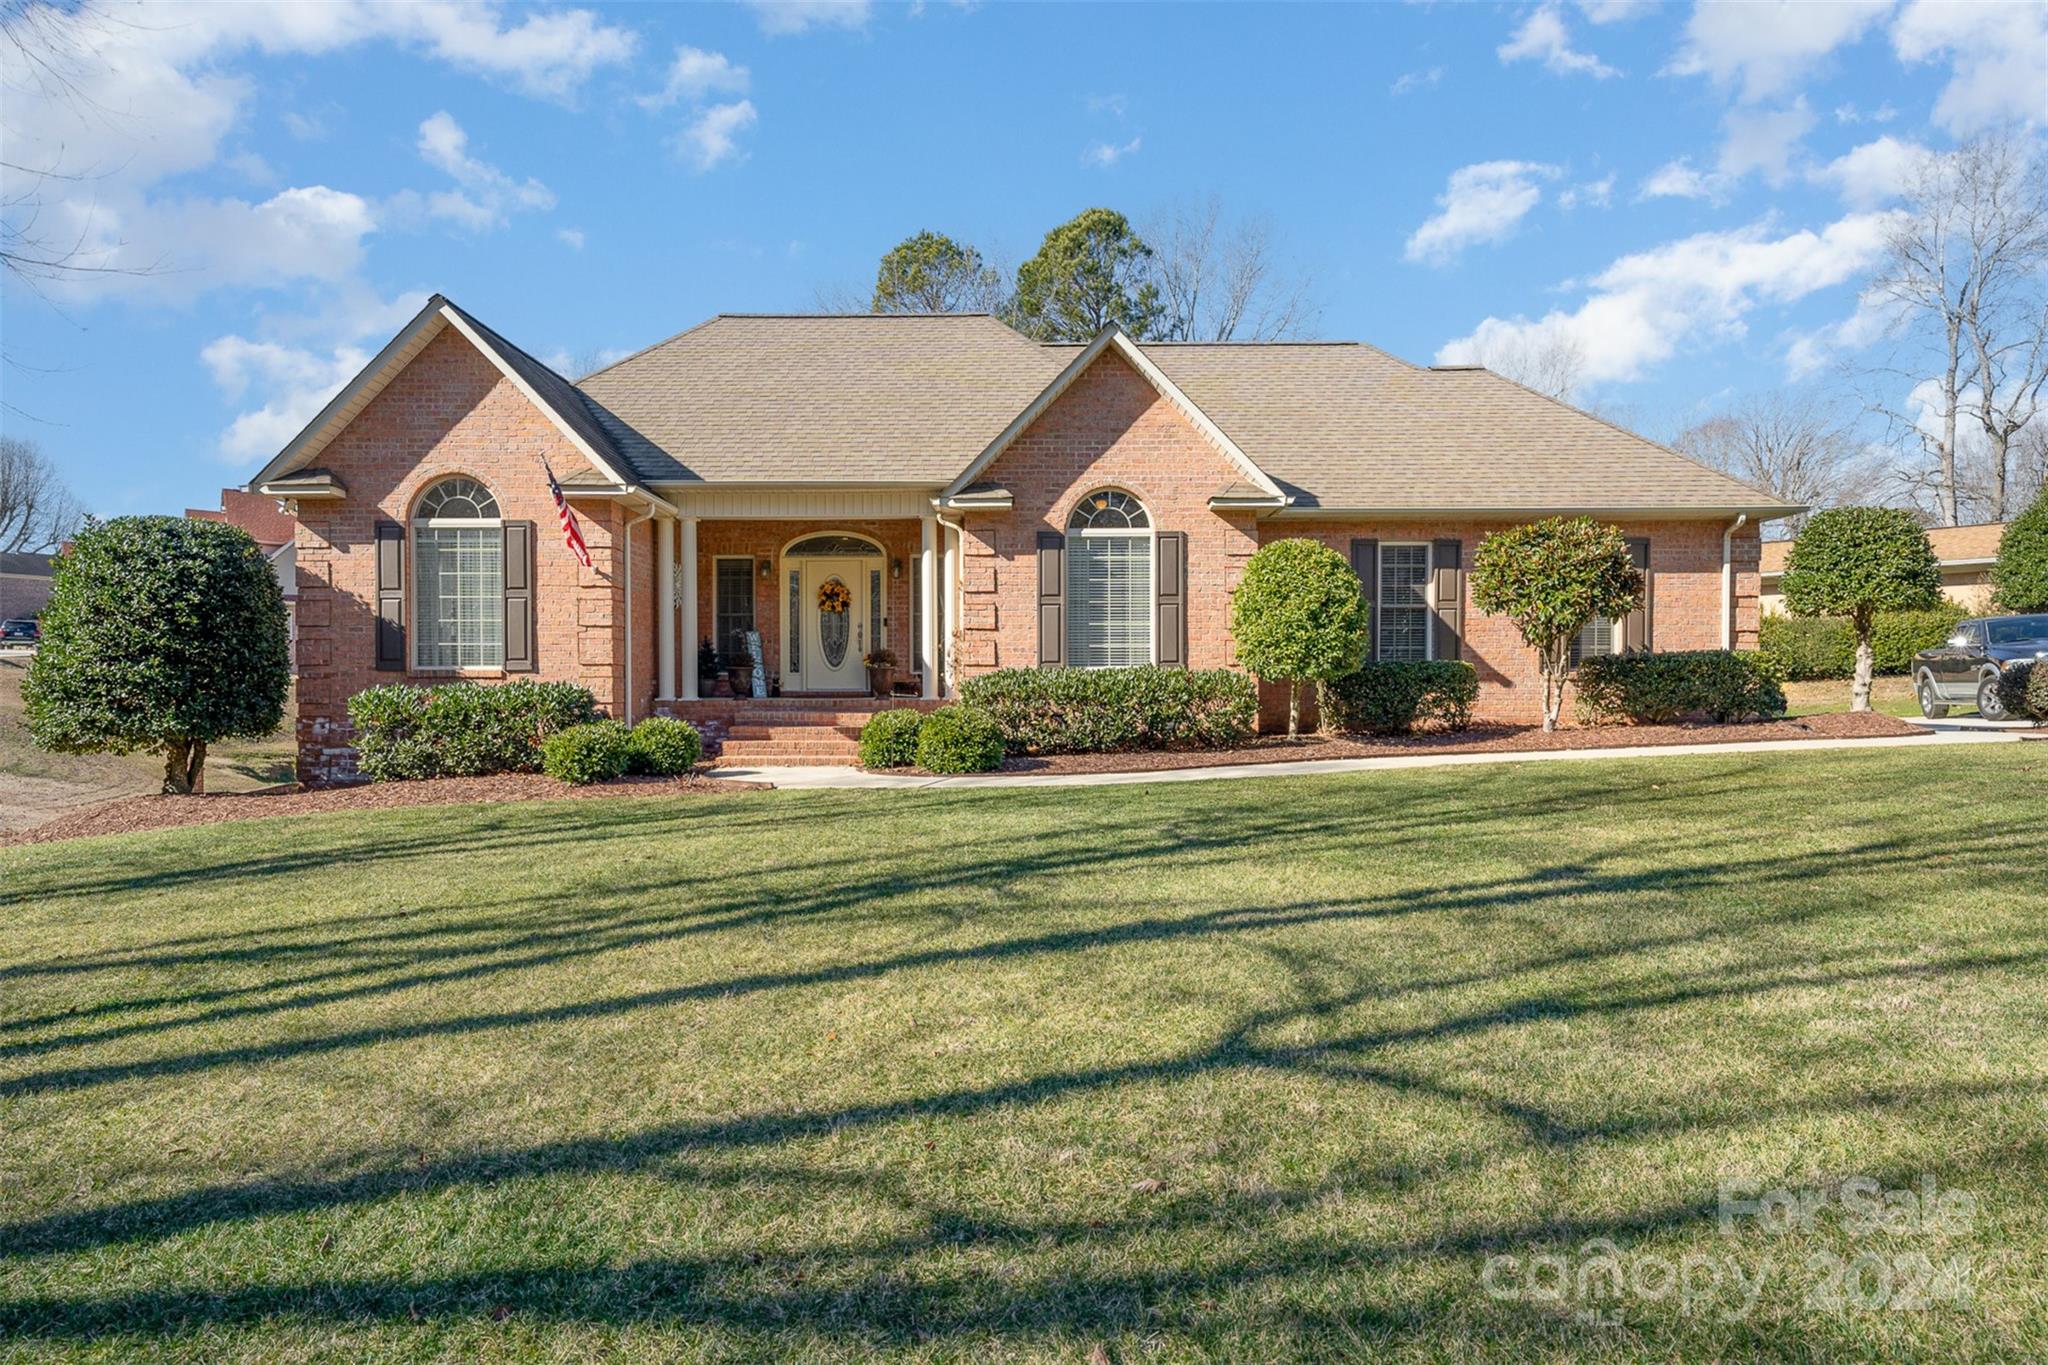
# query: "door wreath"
{"type": "Point", "coordinates": [834, 597]}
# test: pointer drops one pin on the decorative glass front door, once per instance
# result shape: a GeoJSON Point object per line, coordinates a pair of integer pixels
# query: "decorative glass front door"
{"type": "Point", "coordinates": [833, 616]}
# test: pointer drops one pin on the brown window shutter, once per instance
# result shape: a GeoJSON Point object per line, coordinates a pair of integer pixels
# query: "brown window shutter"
{"type": "Point", "coordinates": [1448, 597]}
{"type": "Point", "coordinates": [390, 597]}
{"type": "Point", "coordinates": [1365, 562]}
{"type": "Point", "coordinates": [1052, 599]}
{"type": "Point", "coordinates": [520, 654]}
{"type": "Point", "coordinates": [1170, 587]}
{"type": "Point", "coordinates": [1635, 627]}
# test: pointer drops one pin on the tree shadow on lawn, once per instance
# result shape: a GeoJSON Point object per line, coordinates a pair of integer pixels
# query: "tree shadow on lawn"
{"type": "Point", "coordinates": [591, 931]}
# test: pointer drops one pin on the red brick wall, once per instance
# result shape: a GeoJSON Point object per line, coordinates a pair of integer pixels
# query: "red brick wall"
{"type": "Point", "coordinates": [1110, 428]}
{"type": "Point", "coordinates": [452, 412]}
{"type": "Point", "coordinates": [1685, 601]}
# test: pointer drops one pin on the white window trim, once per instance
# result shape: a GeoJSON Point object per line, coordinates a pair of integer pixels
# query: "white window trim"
{"type": "Point", "coordinates": [1150, 533]}
{"type": "Point", "coordinates": [412, 588]}
{"type": "Point", "coordinates": [1428, 604]}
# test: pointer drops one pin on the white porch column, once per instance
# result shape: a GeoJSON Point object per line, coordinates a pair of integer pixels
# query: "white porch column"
{"type": "Point", "coordinates": [665, 609]}
{"type": "Point", "coordinates": [949, 584]}
{"type": "Point", "coordinates": [688, 611]}
{"type": "Point", "coordinates": [928, 588]}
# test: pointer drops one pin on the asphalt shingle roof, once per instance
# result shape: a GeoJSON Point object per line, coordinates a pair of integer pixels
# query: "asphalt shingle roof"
{"type": "Point", "coordinates": [913, 399]}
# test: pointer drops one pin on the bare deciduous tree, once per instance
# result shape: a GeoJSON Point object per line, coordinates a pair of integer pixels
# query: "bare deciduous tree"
{"type": "Point", "coordinates": [1793, 444]}
{"type": "Point", "coordinates": [1224, 282]}
{"type": "Point", "coordinates": [1550, 362]}
{"type": "Point", "coordinates": [1967, 271]}
{"type": "Point", "coordinates": [37, 512]}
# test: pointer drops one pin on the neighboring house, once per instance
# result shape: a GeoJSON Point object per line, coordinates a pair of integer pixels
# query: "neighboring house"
{"type": "Point", "coordinates": [24, 583]}
{"type": "Point", "coordinates": [1965, 553]}
{"type": "Point", "coordinates": [983, 501]}
{"type": "Point", "coordinates": [273, 530]}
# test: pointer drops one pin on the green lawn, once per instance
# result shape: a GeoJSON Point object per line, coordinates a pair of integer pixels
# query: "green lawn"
{"type": "Point", "coordinates": [1893, 696]}
{"type": "Point", "coordinates": [1237, 1070]}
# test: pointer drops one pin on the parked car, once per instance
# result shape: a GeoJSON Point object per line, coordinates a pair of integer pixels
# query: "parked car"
{"type": "Point", "coordinates": [22, 631]}
{"type": "Point", "coordinates": [1965, 668]}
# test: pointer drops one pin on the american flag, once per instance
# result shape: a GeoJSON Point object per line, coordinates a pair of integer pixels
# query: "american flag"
{"type": "Point", "coordinates": [572, 534]}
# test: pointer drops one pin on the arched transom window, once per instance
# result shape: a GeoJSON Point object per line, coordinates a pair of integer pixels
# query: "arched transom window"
{"type": "Point", "coordinates": [1109, 582]}
{"type": "Point", "coordinates": [458, 577]}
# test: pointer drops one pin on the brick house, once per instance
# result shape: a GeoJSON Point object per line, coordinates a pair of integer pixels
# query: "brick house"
{"type": "Point", "coordinates": [968, 498]}
{"type": "Point", "coordinates": [270, 526]}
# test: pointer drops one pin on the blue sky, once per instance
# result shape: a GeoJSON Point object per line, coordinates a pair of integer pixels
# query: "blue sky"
{"type": "Point", "coordinates": [1693, 196]}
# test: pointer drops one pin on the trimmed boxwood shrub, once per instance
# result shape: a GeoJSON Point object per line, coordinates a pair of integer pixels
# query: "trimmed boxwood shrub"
{"type": "Point", "coordinates": [959, 739]}
{"type": "Point", "coordinates": [405, 733]}
{"type": "Point", "coordinates": [2020, 574]}
{"type": "Point", "coordinates": [582, 754]}
{"type": "Point", "coordinates": [1390, 697]}
{"type": "Point", "coordinates": [889, 739]}
{"type": "Point", "coordinates": [1103, 710]}
{"type": "Point", "coordinates": [1656, 689]}
{"type": "Point", "coordinates": [662, 746]}
{"type": "Point", "coordinates": [2023, 688]}
{"type": "Point", "coordinates": [1816, 647]}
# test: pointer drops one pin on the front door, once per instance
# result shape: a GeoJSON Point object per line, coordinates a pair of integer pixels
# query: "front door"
{"type": "Point", "coordinates": [833, 616]}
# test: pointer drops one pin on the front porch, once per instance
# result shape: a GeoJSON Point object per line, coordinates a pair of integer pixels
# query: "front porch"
{"type": "Point", "coordinates": [779, 607]}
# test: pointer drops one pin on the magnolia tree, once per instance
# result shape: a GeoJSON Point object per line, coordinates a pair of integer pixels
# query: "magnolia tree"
{"type": "Point", "coordinates": [1297, 615]}
{"type": "Point", "coordinates": [161, 635]}
{"type": "Point", "coordinates": [1857, 562]}
{"type": "Point", "coordinates": [2021, 573]}
{"type": "Point", "coordinates": [1550, 578]}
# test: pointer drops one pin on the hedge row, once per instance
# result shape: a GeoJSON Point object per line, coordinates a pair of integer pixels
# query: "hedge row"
{"type": "Point", "coordinates": [1392, 697]}
{"type": "Point", "coordinates": [461, 729]}
{"type": "Point", "coordinates": [1104, 710]}
{"type": "Point", "coordinates": [1656, 689]}
{"type": "Point", "coordinates": [1806, 648]}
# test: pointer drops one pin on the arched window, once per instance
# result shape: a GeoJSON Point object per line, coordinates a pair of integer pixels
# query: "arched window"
{"type": "Point", "coordinates": [458, 577]}
{"type": "Point", "coordinates": [1109, 582]}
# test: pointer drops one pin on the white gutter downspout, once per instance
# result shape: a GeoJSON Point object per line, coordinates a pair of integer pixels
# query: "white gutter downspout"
{"type": "Point", "coordinates": [1728, 580]}
{"type": "Point", "coordinates": [653, 503]}
{"type": "Point", "coordinates": [954, 560]}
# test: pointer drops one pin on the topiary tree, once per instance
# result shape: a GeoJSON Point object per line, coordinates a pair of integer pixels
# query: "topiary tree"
{"type": "Point", "coordinates": [1550, 578]}
{"type": "Point", "coordinates": [161, 634]}
{"type": "Point", "coordinates": [1298, 615]}
{"type": "Point", "coordinates": [2020, 576]}
{"type": "Point", "coordinates": [1857, 562]}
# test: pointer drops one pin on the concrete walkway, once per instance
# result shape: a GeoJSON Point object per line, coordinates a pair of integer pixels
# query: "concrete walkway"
{"type": "Point", "coordinates": [799, 778]}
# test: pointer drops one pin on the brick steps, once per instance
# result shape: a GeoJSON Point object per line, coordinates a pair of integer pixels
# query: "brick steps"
{"type": "Point", "coordinates": [786, 730]}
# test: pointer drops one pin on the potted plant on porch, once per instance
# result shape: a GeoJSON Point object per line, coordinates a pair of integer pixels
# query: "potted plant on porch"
{"type": "Point", "coordinates": [707, 669]}
{"type": "Point", "coordinates": [881, 665]}
{"type": "Point", "coordinates": [739, 667]}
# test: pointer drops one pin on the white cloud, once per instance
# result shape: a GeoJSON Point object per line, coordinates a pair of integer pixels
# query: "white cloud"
{"type": "Point", "coordinates": [294, 381]}
{"type": "Point", "coordinates": [1871, 174]}
{"type": "Point", "coordinates": [712, 137]}
{"type": "Point", "coordinates": [1613, 11]}
{"type": "Point", "coordinates": [1763, 141]}
{"type": "Point", "coordinates": [570, 237]}
{"type": "Point", "coordinates": [780, 17]}
{"type": "Point", "coordinates": [305, 127]}
{"type": "Point", "coordinates": [1849, 113]}
{"type": "Point", "coordinates": [139, 101]}
{"type": "Point", "coordinates": [1106, 154]}
{"type": "Point", "coordinates": [696, 75]}
{"type": "Point", "coordinates": [1678, 179]}
{"type": "Point", "coordinates": [1641, 310]}
{"type": "Point", "coordinates": [1875, 316]}
{"type": "Point", "coordinates": [1480, 203]}
{"type": "Point", "coordinates": [486, 196]}
{"type": "Point", "coordinates": [1769, 48]}
{"type": "Point", "coordinates": [1416, 80]}
{"type": "Point", "coordinates": [1542, 36]}
{"type": "Point", "coordinates": [1593, 194]}
{"type": "Point", "coordinates": [1997, 55]}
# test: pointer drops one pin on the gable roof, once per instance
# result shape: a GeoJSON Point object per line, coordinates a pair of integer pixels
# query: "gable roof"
{"type": "Point", "coordinates": [1113, 338]}
{"type": "Point", "coordinates": [555, 396]}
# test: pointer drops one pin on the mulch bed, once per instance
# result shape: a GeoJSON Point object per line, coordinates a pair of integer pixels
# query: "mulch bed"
{"type": "Point", "coordinates": [132, 813]}
{"type": "Point", "coordinates": [1480, 739]}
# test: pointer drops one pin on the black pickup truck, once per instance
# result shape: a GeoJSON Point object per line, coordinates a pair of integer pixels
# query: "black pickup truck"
{"type": "Point", "coordinates": [1964, 669]}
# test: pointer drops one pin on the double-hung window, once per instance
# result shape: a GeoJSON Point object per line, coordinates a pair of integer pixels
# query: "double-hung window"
{"type": "Point", "coordinates": [1109, 582]}
{"type": "Point", "coordinates": [1404, 615]}
{"type": "Point", "coordinates": [458, 577]}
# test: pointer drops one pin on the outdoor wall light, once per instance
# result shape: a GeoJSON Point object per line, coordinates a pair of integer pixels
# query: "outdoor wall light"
{"type": "Point", "coordinates": [895, 569]}
{"type": "Point", "coordinates": [767, 571]}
